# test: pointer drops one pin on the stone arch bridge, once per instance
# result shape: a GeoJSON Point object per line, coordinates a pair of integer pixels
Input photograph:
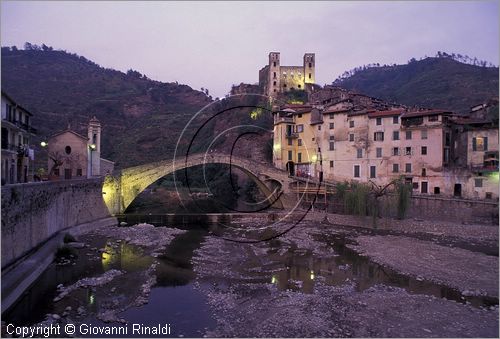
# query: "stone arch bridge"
{"type": "Point", "coordinates": [121, 188]}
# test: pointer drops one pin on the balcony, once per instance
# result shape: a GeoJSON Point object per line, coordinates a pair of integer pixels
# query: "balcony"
{"type": "Point", "coordinates": [287, 120]}
{"type": "Point", "coordinates": [292, 135]}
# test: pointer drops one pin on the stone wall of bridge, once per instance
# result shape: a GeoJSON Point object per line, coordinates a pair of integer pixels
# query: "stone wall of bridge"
{"type": "Point", "coordinates": [32, 213]}
{"type": "Point", "coordinates": [121, 189]}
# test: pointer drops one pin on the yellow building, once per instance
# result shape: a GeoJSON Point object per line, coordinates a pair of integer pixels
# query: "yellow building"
{"type": "Point", "coordinates": [295, 140]}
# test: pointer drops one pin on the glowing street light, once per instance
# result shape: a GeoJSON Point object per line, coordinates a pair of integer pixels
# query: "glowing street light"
{"type": "Point", "coordinates": [44, 144]}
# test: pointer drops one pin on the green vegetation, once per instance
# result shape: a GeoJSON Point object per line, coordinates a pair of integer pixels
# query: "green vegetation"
{"type": "Point", "coordinates": [366, 199]}
{"type": "Point", "coordinates": [439, 82]}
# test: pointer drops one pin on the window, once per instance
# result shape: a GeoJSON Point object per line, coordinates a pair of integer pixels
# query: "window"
{"type": "Point", "coordinates": [331, 125]}
{"type": "Point", "coordinates": [480, 144]}
{"type": "Point", "coordinates": [284, 86]}
{"type": "Point", "coordinates": [290, 142]}
{"type": "Point", "coordinates": [310, 76]}
{"type": "Point", "coordinates": [395, 151]}
{"type": "Point", "coordinates": [274, 75]}
{"type": "Point", "coordinates": [424, 172]}
{"type": "Point", "coordinates": [423, 187]}
{"type": "Point", "coordinates": [433, 118]}
{"type": "Point", "coordinates": [289, 155]}
{"type": "Point", "coordinates": [423, 134]}
{"type": "Point", "coordinates": [488, 195]}
{"type": "Point", "coordinates": [274, 83]}
{"type": "Point", "coordinates": [424, 150]}
{"type": "Point", "coordinates": [356, 171]}
{"type": "Point", "coordinates": [332, 137]}
{"type": "Point", "coordinates": [407, 150]}
{"type": "Point", "coordinates": [478, 182]}
{"type": "Point", "coordinates": [415, 185]}
{"type": "Point", "coordinates": [351, 136]}
{"type": "Point", "coordinates": [330, 115]}
{"type": "Point", "coordinates": [299, 141]}
{"type": "Point", "coordinates": [78, 172]}
{"type": "Point", "coordinates": [67, 149]}
{"type": "Point", "coordinates": [379, 121]}
{"type": "Point", "coordinates": [447, 139]}
{"type": "Point", "coordinates": [437, 190]}
{"type": "Point", "coordinates": [395, 120]}
{"type": "Point", "coordinates": [395, 168]}
{"type": "Point", "coordinates": [331, 163]}
{"type": "Point", "coordinates": [378, 136]}
{"type": "Point", "coordinates": [299, 86]}
{"type": "Point", "coordinates": [332, 146]}
{"type": "Point", "coordinates": [310, 65]}
{"type": "Point", "coordinates": [299, 157]}
{"type": "Point", "coordinates": [274, 64]}
{"type": "Point", "coordinates": [351, 123]}
{"type": "Point", "coordinates": [379, 152]}
{"type": "Point", "coordinates": [446, 155]}
{"type": "Point", "coordinates": [359, 152]}
{"type": "Point", "coordinates": [395, 135]}
{"type": "Point", "coordinates": [319, 127]}
{"type": "Point", "coordinates": [56, 172]}
{"type": "Point", "coordinates": [300, 116]}
{"type": "Point", "coordinates": [373, 170]}
{"type": "Point", "coordinates": [408, 135]}
{"type": "Point", "coordinates": [408, 168]}
{"type": "Point", "coordinates": [300, 128]}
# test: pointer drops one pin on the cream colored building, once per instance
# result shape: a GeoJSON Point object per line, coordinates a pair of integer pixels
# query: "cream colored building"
{"type": "Point", "coordinates": [17, 150]}
{"type": "Point", "coordinates": [345, 142]}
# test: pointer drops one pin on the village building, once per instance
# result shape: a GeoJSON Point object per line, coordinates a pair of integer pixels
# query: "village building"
{"type": "Point", "coordinates": [348, 136]}
{"type": "Point", "coordinates": [72, 155]}
{"type": "Point", "coordinates": [17, 134]}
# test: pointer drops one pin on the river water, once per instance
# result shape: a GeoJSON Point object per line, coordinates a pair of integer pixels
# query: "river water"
{"type": "Point", "coordinates": [175, 298]}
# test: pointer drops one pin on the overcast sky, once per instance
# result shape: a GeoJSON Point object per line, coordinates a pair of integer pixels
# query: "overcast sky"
{"type": "Point", "coordinates": [216, 44]}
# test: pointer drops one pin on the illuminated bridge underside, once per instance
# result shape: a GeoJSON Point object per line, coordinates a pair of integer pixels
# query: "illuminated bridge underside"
{"type": "Point", "coordinates": [123, 187]}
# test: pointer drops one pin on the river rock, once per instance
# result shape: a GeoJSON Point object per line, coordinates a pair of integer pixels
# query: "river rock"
{"type": "Point", "coordinates": [76, 245]}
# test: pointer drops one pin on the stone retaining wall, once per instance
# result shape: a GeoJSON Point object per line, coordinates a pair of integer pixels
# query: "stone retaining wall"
{"type": "Point", "coordinates": [32, 213]}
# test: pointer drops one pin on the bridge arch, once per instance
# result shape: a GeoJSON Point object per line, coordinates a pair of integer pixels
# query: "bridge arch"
{"type": "Point", "coordinates": [121, 188]}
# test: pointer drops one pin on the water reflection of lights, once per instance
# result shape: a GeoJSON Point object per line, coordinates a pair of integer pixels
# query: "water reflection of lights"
{"type": "Point", "coordinates": [274, 280]}
{"type": "Point", "coordinates": [91, 297]}
{"type": "Point", "coordinates": [312, 275]}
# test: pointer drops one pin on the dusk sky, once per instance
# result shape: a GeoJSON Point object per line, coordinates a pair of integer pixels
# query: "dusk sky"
{"type": "Point", "coordinates": [217, 44]}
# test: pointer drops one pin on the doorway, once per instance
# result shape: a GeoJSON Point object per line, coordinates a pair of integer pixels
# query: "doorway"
{"type": "Point", "coordinates": [457, 190]}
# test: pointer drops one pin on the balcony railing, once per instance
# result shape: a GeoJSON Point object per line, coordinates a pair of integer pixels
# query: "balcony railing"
{"type": "Point", "coordinates": [292, 135]}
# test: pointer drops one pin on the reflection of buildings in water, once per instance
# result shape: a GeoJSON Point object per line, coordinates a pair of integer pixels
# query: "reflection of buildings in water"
{"type": "Point", "coordinates": [125, 257]}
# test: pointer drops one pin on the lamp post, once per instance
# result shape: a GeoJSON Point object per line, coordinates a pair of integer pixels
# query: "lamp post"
{"type": "Point", "coordinates": [92, 149]}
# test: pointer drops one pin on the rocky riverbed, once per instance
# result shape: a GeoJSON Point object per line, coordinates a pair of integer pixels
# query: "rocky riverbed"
{"type": "Point", "coordinates": [316, 280]}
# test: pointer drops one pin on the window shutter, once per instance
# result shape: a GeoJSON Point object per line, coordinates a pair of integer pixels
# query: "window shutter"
{"type": "Point", "coordinates": [474, 147]}
{"type": "Point", "coordinates": [485, 143]}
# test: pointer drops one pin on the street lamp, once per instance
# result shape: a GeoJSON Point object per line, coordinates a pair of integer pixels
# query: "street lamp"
{"type": "Point", "coordinates": [44, 144]}
{"type": "Point", "coordinates": [92, 149]}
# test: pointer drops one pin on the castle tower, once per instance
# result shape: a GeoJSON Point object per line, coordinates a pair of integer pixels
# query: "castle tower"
{"type": "Point", "coordinates": [274, 74]}
{"type": "Point", "coordinates": [309, 68]}
{"type": "Point", "coordinates": [94, 148]}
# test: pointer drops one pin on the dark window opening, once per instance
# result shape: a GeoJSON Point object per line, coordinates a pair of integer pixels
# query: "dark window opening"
{"type": "Point", "coordinates": [373, 170]}
{"type": "Point", "coordinates": [423, 188]}
{"type": "Point", "coordinates": [67, 149]}
{"type": "Point", "coordinates": [331, 163]}
{"type": "Point", "coordinates": [356, 171]}
{"type": "Point", "coordinates": [437, 190]}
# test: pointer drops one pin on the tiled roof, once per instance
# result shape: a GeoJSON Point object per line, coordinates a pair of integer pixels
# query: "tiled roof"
{"type": "Point", "coordinates": [388, 113]}
{"type": "Point", "coordinates": [425, 113]}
